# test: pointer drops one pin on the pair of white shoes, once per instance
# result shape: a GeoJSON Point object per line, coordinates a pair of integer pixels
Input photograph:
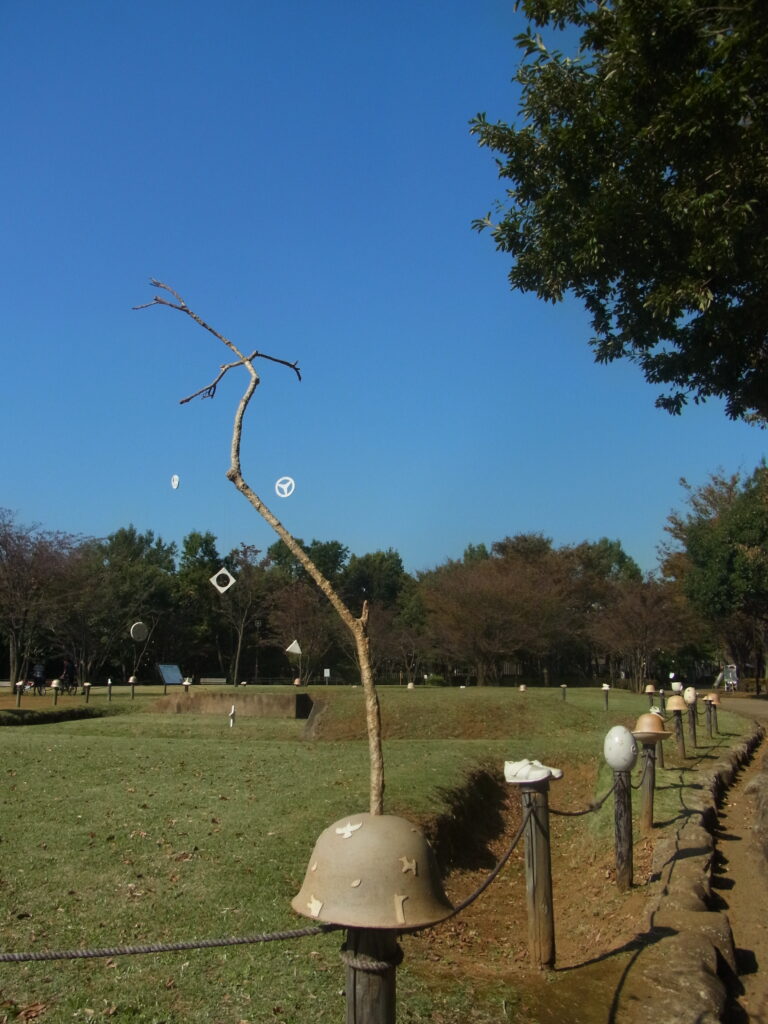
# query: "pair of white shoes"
{"type": "Point", "coordinates": [530, 771]}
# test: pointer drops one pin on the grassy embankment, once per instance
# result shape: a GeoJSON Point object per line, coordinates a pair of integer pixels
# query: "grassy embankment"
{"type": "Point", "coordinates": [140, 827]}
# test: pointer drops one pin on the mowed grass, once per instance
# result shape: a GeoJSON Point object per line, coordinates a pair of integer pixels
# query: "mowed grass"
{"type": "Point", "coordinates": [143, 827]}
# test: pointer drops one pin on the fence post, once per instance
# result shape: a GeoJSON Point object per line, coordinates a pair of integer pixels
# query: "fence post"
{"type": "Point", "coordinates": [650, 732]}
{"type": "Point", "coordinates": [689, 696]}
{"type": "Point", "coordinates": [87, 691]}
{"type": "Point", "coordinates": [714, 701]}
{"type": "Point", "coordinates": [371, 956]}
{"type": "Point", "coordinates": [606, 691]}
{"type": "Point", "coordinates": [19, 691]}
{"type": "Point", "coordinates": [708, 716]}
{"type": "Point", "coordinates": [55, 688]}
{"type": "Point", "coordinates": [620, 750]}
{"type": "Point", "coordinates": [676, 705]}
{"type": "Point", "coordinates": [648, 786]}
{"type": "Point", "coordinates": [538, 875]}
{"type": "Point", "coordinates": [533, 779]}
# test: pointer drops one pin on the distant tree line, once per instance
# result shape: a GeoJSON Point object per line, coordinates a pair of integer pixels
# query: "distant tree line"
{"type": "Point", "coordinates": [522, 610]}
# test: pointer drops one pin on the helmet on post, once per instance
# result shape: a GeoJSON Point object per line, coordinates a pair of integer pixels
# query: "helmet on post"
{"type": "Point", "coordinates": [373, 871]}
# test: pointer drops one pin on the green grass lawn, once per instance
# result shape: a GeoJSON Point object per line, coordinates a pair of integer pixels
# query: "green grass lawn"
{"type": "Point", "coordinates": [141, 827]}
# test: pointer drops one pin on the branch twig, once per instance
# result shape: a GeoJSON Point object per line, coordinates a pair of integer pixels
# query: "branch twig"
{"type": "Point", "coordinates": [357, 626]}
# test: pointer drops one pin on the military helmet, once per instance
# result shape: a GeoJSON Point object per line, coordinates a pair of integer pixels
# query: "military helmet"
{"type": "Point", "coordinates": [373, 871]}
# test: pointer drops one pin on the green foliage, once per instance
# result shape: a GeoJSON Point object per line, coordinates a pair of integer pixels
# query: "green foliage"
{"type": "Point", "coordinates": [727, 552]}
{"type": "Point", "coordinates": [377, 577]}
{"type": "Point", "coordinates": [637, 180]}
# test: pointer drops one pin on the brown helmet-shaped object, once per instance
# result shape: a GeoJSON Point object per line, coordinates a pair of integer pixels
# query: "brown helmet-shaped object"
{"type": "Point", "coordinates": [373, 871]}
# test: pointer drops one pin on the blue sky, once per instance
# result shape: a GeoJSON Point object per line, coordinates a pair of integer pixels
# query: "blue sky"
{"type": "Point", "coordinates": [303, 175]}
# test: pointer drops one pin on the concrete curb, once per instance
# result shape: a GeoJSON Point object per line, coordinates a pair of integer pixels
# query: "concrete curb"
{"type": "Point", "coordinates": [688, 954]}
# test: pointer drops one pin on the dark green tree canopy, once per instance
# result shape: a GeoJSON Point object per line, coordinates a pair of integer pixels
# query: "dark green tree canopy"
{"type": "Point", "coordinates": [637, 180]}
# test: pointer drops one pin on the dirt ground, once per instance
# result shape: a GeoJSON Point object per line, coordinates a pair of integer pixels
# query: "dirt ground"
{"type": "Point", "coordinates": [598, 930]}
{"type": "Point", "coordinates": [595, 925]}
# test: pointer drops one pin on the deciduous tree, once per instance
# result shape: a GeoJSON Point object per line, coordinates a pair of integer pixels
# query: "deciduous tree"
{"type": "Point", "coordinates": [637, 177]}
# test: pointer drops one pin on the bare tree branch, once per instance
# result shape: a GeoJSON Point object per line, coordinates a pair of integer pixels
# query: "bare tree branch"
{"type": "Point", "coordinates": [358, 627]}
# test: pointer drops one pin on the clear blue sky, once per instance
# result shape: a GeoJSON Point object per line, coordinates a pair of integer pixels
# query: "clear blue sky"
{"type": "Point", "coordinates": [303, 174]}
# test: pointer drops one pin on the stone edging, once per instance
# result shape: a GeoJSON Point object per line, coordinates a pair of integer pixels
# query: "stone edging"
{"type": "Point", "coordinates": [688, 952]}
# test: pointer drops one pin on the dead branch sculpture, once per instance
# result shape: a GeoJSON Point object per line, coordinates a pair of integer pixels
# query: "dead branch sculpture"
{"type": "Point", "coordinates": [358, 627]}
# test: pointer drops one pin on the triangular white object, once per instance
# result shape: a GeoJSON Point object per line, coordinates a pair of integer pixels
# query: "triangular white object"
{"type": "Point", "coordinates": [293, 648]}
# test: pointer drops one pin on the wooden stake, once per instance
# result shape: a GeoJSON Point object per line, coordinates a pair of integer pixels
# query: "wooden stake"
{"type": "Point", "coordinates": [692, 724]}
{"type": "Point", "coordinates": [623, 825]}
{"type": "Point", "coordinates": [648, 787]}
{"type": "Point", "coordinates": [371, 956]}
{"type": "Point", "coordinates": [679, 738]}
{"type": "Point", "coordinates": [538, 874]}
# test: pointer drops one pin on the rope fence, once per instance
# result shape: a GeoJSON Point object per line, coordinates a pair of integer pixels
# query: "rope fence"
{"type": "Point", "coordinates": [594, 806]}
{"type": "Point", "coordinates": [164, 947]}
{"type": "Point", "coordinates": [298, 933]}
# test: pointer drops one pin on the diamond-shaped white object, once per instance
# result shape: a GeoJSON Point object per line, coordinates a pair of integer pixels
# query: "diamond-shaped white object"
{"type": "Point", "coordinates": [222, 580]}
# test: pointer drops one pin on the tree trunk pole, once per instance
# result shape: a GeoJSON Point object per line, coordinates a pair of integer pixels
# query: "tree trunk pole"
{"type": "Point", "coordinates": [371, 956]}
{"type": "Point", "coordinates": [714, 718]}
{"type": "Point", "coordinates": [660, 754]}
{"type": "Point", "coordinates": [647, 788]}
{"type": "Point", "coordinates": [708, 717]}
{"type": "Point", "coordinates": [692, 724]}
{"type": "Point", "coordinates": [623, 825]}
{"type": "Point", "coordinates": [18, 695]}
{"type": "Point", "coordinates": [605, 699]}
{"type": "Point", "coordinates": [679, 738]}
{"type": "Point", "coordinates": [538, 875]}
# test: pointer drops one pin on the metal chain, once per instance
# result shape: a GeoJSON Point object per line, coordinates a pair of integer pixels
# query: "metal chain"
{"type": "Point", "coordinates": [165, 947]}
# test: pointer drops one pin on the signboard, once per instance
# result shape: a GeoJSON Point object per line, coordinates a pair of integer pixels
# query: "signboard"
{"type": "Point", "coordinates": [171, 675]}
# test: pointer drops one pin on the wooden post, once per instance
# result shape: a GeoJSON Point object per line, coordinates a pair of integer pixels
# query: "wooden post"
{"type": "Point", "coordinates": [133, 690]}
{"type": "Point", "coordinates": [623, 824]}
{"type": "Point", "coordinates": [19, 689]}
{"type": "Point", "coordinates": [55, 695]}
{"type": "Point", "coordinates": [660, 754]}
{"type": "Point", "coordinates": [538, 874]}
{"type": "Point", "coordinates": [679, 738]}
{"type": "Point", "coordinates": [564, 689]}
{"type": "Point", "coordinates": [605, 699]}
{"type": "Point", "coordinates": [714, 718]}
{"type": "Point", "coordinates": [371, 956]}
{"type": "Point", "coordinates": [647, 788]}
{"type": "Point", "coordinates": [692, 724]}
{"type": "Point", "coordinates": [708, 717]}
{"type": "Point", "coordinates": [662, 701]}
